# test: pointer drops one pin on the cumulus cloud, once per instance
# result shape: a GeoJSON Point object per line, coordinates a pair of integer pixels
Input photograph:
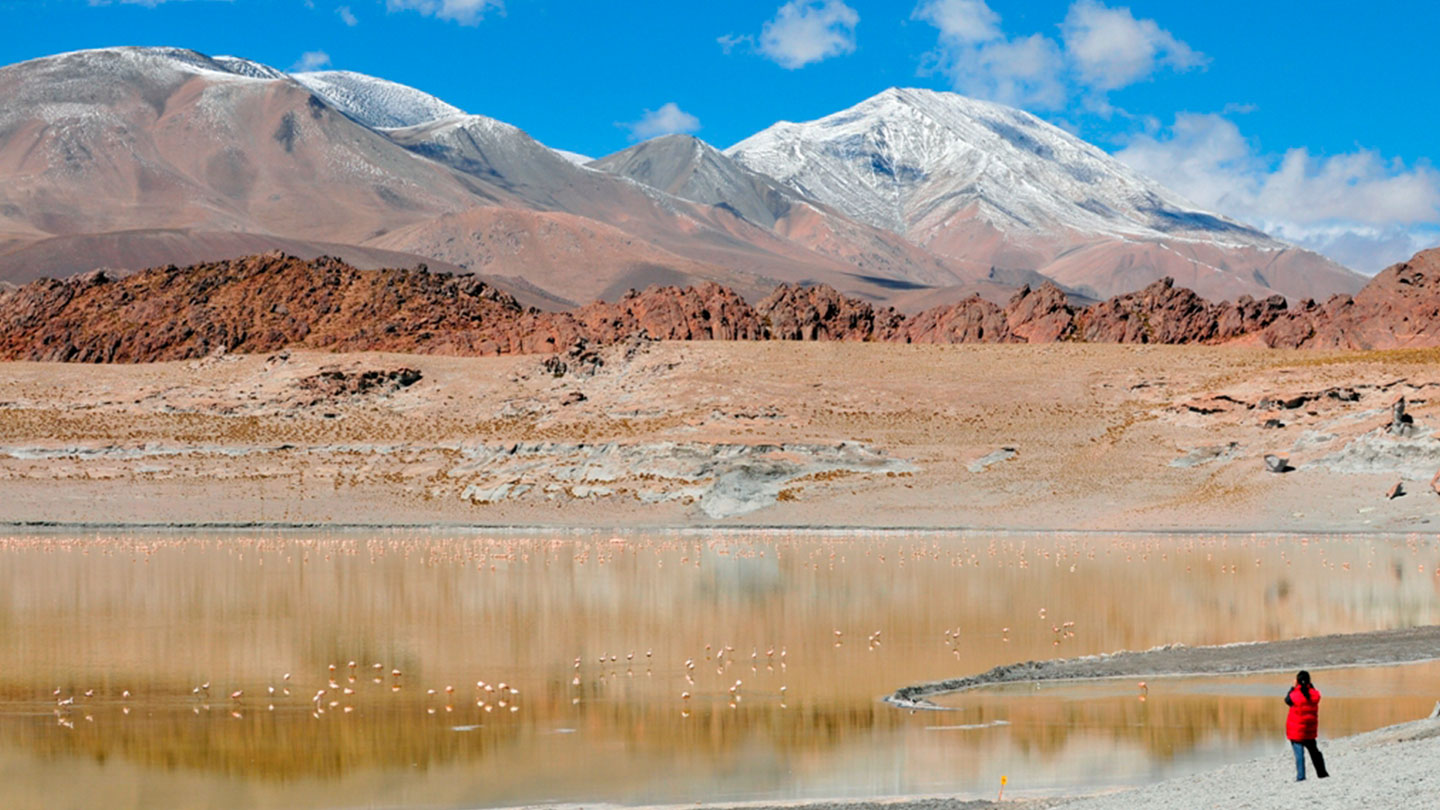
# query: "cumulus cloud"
{"type": "Point", "coordinates": [311, 60]}
{"type": "Point", "coordinates": [1103, 49]}
{"type": "Point", "coordinates": [667, 120]}
{"type": "Point", "coordinates": [347, 16]}
{"type": "Point", "coordinates": [804, 32]}
{"type": "Point", "coordinates": [961, 22]}
{"type": "Point", "coordinates": [1359, 208]}
{"type": "Point", "coordinates": [465, 12]}
{"type": "Point", "coordinates": [1110, 49]}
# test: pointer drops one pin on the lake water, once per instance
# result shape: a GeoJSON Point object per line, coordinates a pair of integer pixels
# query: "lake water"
{"type": "Point", "coordinates": [593, 633]}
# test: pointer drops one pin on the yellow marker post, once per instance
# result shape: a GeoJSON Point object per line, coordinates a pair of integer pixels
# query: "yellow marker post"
{"type": "Point", "coordinates": [1003, 780]}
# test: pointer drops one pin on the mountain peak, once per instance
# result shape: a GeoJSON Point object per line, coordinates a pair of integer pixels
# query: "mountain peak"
{"type": "Point", "coordinates": [692, 169]}
{"type": "Point", "coordinates": [908, 159]}
{"type": "Point", "coordinates": [979, 181]}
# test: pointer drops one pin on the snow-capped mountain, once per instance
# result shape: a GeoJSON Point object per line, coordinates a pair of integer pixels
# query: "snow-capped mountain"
{"type": "Point", "coordinates": [979, 180]}
{"type": "Point", "coordinates": [908, 160]}
{"type": "Point", "coordinates": [127, 157]}
{"type": "Point", "coordinates": [689, 168]}
{"type": "Point", "coordinates": [131, 157]}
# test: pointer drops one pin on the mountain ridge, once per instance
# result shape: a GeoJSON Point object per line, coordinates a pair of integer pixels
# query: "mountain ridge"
{"type": "Point", "coordinates": [97, 149]}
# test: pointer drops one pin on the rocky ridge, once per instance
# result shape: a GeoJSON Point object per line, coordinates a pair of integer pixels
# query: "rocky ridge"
{"type": "Point", "coordinates": [268, 302]}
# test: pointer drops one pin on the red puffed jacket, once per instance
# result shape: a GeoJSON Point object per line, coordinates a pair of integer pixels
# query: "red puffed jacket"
{"type": "Point", "coordinates": [1304, 719]}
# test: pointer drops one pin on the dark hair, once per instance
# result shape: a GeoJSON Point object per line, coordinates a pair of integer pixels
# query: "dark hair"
{"type": "Point", "coordinates": [1303, 679]}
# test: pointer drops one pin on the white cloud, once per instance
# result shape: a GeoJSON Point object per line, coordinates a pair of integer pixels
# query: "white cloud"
{"type": "Point", "coordinates": [964, 22]}
{"type": "Point", "coordinates": [465, 12]}
{"type": "Point", "coordinates": [806, 32]}
{"type": "Point", "coordinates": [1358, 208]}
{"type": "Point", "coordinates": [347, 16]}
{"type": "Point", "coordinates": [311, 60]}
{"type": "Point", "coordinates": [1104, 49]}
{"type": "Point", "coordinates": [1110, 48]}
{"type": "Point", "coordinates": [730, 42]}
{"type": "Point", "coordinates": [982, 62]}
{"type": "Point", "coordinates": [667, 120]}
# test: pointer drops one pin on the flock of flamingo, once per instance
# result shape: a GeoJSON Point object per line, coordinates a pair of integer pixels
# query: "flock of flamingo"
{"type": "Point", "coordinates": [343, 687]}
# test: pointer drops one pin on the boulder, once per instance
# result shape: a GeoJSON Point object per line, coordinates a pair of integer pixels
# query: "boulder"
{"type": "Point", "coordinates": [1277, 464]}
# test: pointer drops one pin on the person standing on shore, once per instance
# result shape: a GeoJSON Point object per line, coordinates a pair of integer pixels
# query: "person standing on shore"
{"type": "Point", "coordinates": [1303, 723]}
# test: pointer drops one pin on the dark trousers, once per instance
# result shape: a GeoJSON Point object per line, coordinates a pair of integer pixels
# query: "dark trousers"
{"type": "Point", "coordinates": [1301, 746]}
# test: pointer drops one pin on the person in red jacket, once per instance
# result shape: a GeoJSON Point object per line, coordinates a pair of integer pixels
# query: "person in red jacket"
{"type": "Point", "coordinates": [1303, 723]}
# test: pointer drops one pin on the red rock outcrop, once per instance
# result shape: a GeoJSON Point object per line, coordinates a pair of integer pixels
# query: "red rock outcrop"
{"type": "Point", "coordinates": [1043, 315]}
{"type": "Point", "coordinates": [1400, 307]}
{"type": "Point", "coordinates": [256, 304]}
{"type": "Point", "coordinates": [973, 320]}
{"type": "Point", "coordinates": [706, 312]}
{"type": "Point", "coordinates": [793, 312]}
{"type": "Point", "coordinates": [1164, 313]}
{"type": "Point", "coordinates": [267, 302]}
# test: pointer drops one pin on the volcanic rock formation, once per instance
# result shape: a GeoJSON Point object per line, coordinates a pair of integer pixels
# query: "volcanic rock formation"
{"type": "Point", "coordinates": [268, 302]}
{"type": "Point", "coordinates": [1400, 307]}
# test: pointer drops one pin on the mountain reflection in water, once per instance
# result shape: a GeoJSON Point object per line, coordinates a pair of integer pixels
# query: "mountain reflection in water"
{"type": "Point", "coordinates": [835, 620]}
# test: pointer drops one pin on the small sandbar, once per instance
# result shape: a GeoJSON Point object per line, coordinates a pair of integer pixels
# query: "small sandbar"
{"type": "Point", "coordinates": [1379, 648]}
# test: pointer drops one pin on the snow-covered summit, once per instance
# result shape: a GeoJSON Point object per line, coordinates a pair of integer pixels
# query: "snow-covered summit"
{"type": "Point", "coordinates": [137, 64]}
{"type": "Point", "coordinates": [376, 103]}
{"type": "Point", "coordinates": [911, 161]}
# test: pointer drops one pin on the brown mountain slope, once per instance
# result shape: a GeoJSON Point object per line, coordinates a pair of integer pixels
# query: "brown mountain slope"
{"type": "Point", "coordinates": [103, 141]}
{"type": "Point", "coordinates": [107, 156]}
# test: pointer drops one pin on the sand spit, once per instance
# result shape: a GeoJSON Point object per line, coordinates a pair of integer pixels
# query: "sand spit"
{"type": "Point", "coordinates": [1379, 648]}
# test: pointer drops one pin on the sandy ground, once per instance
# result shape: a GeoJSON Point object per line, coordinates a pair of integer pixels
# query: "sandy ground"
{"type": "Point", "coordinates": [1395, 767]}
{"type": "Point", "coordinates": [783, 434]}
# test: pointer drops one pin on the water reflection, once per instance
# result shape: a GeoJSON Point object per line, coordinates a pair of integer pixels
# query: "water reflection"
{"type": "Point", "coordinates": [782, 643]}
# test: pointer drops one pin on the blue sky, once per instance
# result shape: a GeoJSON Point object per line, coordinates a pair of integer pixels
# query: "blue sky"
{"type": "Point", "coordinates": [1317, 120]}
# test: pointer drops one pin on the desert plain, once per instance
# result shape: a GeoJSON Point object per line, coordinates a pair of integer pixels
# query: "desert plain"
{"type": "Point", "coordinates": [656, 434]}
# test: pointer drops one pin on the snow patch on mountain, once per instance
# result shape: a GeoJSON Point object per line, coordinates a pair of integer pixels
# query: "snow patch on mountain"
{"type": "Point", "coordinates": [249, 68]}
{"type": "Point", "coordinates": [574, 157]}
{"type": "Point", "coordinates": [376, 103]}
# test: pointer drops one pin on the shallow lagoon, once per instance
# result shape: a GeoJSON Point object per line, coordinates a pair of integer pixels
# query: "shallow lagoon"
{"type": "Point", "coordinates": [159, 614]}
